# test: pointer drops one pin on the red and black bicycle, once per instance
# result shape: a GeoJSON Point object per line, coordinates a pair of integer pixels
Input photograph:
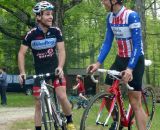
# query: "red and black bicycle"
{"type": "Point", "coordinates": [97, 115]}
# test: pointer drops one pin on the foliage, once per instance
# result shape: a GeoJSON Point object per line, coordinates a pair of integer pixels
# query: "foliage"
{"type": "Point", "coordinates": [84, 26]}
{"type": "Point", "coordinates": [19, 100]}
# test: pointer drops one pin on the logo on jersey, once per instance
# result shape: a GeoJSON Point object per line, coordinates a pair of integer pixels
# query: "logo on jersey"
{"type": "Point", "coordinates": [121, 32]}
{"type": "Point", "coordinates": [43, 44]}
{"type": "Point", "coordinates": [47, 53]}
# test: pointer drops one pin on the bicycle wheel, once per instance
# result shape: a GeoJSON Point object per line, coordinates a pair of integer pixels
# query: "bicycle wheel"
{"type": "Point", "coordinates": [148, 103]}
{"type": "Point", "coordinates": [85, 103]}
{"type": "Point", "coordinates": [47, 119]}
{"type": "Point", "coordinates": [97, 117]}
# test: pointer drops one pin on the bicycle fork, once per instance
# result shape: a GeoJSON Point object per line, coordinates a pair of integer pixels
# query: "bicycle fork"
{"type": "Point", "coordinates": [55, 116]}
{"type": "Point", "coordinates": [103, 104]}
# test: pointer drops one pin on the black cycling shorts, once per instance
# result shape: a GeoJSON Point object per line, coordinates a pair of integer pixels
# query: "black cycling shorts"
{"type": "Point", "coordinates": [121, 64]}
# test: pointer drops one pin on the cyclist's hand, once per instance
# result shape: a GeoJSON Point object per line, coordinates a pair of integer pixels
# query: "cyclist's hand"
{"type": "Point", "coordinates": [127, 75]}
{"type": "Point", "coordinates": [22, 78]}
{"type": "Point", "coordinates": [93, 67]}
{"type": "Point", "coordinates": [59, 72]}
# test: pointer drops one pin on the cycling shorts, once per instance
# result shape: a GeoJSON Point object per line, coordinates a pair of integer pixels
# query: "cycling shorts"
{"type": "Point", "coordinates": [121, 64]}
{"type": "Point", "coordinates": [56, 82]}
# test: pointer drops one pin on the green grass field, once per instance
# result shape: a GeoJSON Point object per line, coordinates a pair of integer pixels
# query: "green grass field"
{"type": "Point", "coordinates": [21, 100]}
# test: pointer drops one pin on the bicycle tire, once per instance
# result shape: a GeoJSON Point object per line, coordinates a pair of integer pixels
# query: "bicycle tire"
{"type": "Point", "coordinates": [149, 104]}
{"type": "Point", "coordinates": [88, 121]}
{"type": "Point", "coordinates": [47, 119]}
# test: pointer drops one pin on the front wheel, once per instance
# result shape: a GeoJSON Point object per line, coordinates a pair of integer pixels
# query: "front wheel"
{"type": "Point", "coordinates": [85, 103]}
{"type": "Point", "coordinates": [96, 115]}
{"type": "Point", "coordinates": [148, 103]}
{"type": "Point", "coordinates": [47, 119]}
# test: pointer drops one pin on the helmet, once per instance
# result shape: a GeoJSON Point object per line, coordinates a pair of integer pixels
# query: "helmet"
{"type": "Point", "coordinates": [41, 6]}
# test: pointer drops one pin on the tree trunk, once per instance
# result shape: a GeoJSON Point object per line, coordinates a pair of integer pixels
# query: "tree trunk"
{"type": "Point", "coordinates": [140, 8]}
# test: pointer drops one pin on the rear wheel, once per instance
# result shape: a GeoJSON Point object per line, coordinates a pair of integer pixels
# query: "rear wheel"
{"type": "Point", "coordinates": [148, 103]}
{"type": "Point", "coordinates": [96, 114]}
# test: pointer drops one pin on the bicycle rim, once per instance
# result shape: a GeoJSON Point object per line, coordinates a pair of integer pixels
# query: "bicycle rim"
{"type": "Point", "coordinates": [89, 119]}
{"type": "Point", "coordinates": [47, 119]}
{"type": "Point", "coordinates": [148, 103]}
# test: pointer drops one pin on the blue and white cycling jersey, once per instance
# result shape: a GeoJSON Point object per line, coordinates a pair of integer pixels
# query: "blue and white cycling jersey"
{"type": "Point", "coordinates": [125, 26]}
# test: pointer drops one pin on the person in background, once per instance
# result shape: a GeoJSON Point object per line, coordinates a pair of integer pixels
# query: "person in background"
{"type": "Point", "coordinates": [3, 86]}
{"type": "Point", "coordinates": [80, 87]}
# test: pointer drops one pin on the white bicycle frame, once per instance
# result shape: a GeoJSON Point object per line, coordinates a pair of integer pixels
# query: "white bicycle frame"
{"type": "Point", "coordinates": [49, 100]}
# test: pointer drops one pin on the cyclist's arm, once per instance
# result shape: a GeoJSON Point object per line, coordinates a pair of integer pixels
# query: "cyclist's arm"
{"type": "Point", "coordinates": [106, 46]}
{"type": "Point", "coordinates": [21, 58]}
{"type": "Point", "coordinates": [61, 54]}
{"type": "Point", "coordinates": [76, 86]}
{"type": "Point", "coordinates": [136, 34]}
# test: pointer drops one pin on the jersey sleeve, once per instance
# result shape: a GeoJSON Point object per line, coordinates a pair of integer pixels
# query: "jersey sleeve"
{"type": "Point", "coordinates": [59, 35]}
{"type": "Point", "coordinates": [136, 34]}
{"type": "Point", "coordinates": [106, 46]}
{"type": "Point", "coordinates": [27, 39]}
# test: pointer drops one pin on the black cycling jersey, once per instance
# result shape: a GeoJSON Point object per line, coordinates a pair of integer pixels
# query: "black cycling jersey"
{"type": "Point", "coordinates": [43, 46]}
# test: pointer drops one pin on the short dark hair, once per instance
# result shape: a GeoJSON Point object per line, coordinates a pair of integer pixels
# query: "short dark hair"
{"type": "Point", "coordinates": [79, 77]}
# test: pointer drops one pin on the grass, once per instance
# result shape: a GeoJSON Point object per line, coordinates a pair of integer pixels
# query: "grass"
{"type": "Point", "coordinates": [21, 100]}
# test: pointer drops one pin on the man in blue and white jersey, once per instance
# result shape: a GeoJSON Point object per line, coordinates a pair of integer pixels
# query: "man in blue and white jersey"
{"type": "Point", "coordinates": [124, 25]}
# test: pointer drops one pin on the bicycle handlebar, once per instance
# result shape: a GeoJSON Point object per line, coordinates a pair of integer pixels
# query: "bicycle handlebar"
{"type": "Point", "coordinates": [112, 73]}
{"type": "Point", "coordinates": [39, 76]}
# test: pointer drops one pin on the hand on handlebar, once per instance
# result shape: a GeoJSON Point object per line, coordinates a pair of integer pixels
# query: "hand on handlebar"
{"type": "Point", "coordinates": [93, 67]}
{"type": "Point", "coordinates": [22, 78]}
{"type": "Point", "coordinates": [59, 72]}
{"type": "Point", "coordinates": [127, 75]}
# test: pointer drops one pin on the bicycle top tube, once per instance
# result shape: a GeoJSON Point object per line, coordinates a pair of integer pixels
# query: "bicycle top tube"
{"type": "Point", "coordinates": [113, 73]}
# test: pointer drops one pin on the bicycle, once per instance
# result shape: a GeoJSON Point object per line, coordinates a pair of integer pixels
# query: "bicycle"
{"type": "Point", "coordinates": [52, 117]}
{"type": "Point", "coordinates": [97, 117]}
{"type": "Point", "coordinates": [80, 102]}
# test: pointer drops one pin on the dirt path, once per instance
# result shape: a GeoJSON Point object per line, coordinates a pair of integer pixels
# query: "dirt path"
{"type": "Point", "coordinates": [10, 115]}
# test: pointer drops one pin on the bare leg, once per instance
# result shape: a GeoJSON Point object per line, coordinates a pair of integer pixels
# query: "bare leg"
{"type": "Point", "coordinates": [135, 101]}
{"type": "Point", "coordinates": [61, 94]}
{"type": "Point", "coordinates": [38, 116]}
{"type": "Point", "coordinates": [82, 96]}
